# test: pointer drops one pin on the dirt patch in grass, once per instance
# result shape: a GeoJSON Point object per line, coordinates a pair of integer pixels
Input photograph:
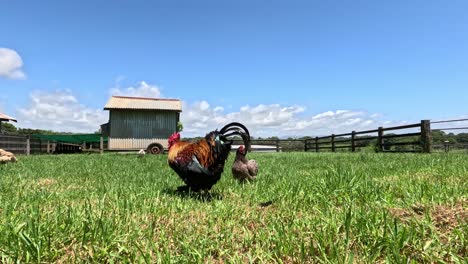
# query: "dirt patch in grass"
{"type": "Point", "coordinates": [405, 215]}
{"type": "Point", "coordinates": [213, 260]}
{"type": "Point", "coordinates": [45, 182]}
{"type": "Point", "coordinates": [68, 253]}
{"type": "Point", "coordinates": [444, 217]}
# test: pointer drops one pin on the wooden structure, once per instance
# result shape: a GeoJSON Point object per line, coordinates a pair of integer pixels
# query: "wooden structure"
{"type": "Point", "coordinates": [381, 139]}
{"type": "Point", "coordinates": [419, 141]}
{"type": "Point", "coordinates": [141, 123]}
{"type": "Point", "coordinates": [22, 144]}
{"type": "Point", "coordinates": [5, 118]}
{"type": "Point", "coordinates": [26, 144]}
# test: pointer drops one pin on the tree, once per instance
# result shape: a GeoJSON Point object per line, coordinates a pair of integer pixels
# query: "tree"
{"type": "Point", "coordinates": [9, 128]}
{"type": "Point", "coordinates": [438, 137]}
{"type": "Point", "coordinates": [462, 138]}
{"type": "Point", "coordinates": [180, 126]}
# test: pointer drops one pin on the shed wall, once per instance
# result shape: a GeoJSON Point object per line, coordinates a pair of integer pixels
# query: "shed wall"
{"type": "Point", "coordinates": [136, 129]}
{"type": "Point", "coordinates": [135, 143]}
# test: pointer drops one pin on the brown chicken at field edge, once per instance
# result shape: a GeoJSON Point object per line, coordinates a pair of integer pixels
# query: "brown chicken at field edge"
{"type": "Point", "coordinates": [201, 164]}
{"type": "Point", "coordinates": [243, 169]}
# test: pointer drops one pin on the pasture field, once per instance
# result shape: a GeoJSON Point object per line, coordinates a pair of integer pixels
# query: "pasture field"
{"type": "Point", "coordinates": [304, 208]}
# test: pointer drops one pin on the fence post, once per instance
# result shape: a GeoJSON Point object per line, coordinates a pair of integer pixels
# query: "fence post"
{"type": "Point", "coordinates": [305, 145]}
{"type": "Point", "coordinates": [48, 146]}
{"type": "Point", "coordinates": [380, 141]}
{"type": "Point", "coordinates": [353, 141]}
{"type": "Point", "coordinates": [333, 142]}
{"type": "Point", "coordinates": [277, 145]}
{"type": "Point", "coordinates": [316, 144]}
{"type": "Point", "coordinates": [101, 145]}
{"type": "Point", "coordinates": [28, 145]}
{"type": "Point", "coordinates": [446, 145]}
{"type": "Point", "coordinates": [426, 137]}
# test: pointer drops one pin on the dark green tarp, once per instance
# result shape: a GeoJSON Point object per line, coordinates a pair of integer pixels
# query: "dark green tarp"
{"type": "Point", "coordinates": [73, 139]}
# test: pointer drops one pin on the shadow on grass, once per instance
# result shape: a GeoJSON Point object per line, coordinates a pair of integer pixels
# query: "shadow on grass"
{"type": "Point", "coordinates": [203, 196]}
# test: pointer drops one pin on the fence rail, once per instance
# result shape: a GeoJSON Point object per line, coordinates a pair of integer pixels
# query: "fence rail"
{"type": "Point", "coordinates": [448, 147]}
{"type": "Point", "coordinates": [25, 144]}
{"type": "Point", "coordinates": [449, 121]}
{"type": "Point", "coordinates": [384, 141]}
{"type": "Point", "coordinates": [22, 144]}
{"type": "Point", "coordinates": [274, 145]}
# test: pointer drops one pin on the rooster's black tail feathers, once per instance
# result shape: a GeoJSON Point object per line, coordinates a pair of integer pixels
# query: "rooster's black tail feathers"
{"type": "Point", "coordinates": [236, 128]}
{"type": "Point", "coordinates": [231, 126]}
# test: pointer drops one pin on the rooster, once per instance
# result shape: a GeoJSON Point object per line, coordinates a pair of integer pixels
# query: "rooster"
{"type": "Point", "coordinates": [243, 169]}
{"type": "Point", "coordinates": [201, 164]}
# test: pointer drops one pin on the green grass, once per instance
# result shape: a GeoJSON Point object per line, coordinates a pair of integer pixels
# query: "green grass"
{"type": "Point", "coordinates": [326, 208]}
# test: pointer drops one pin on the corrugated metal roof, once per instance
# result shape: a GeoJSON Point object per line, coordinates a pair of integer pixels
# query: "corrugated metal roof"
{"type": "Point", "coordinates": [4, 117]}
{"type": "Point", "coordinates": [126, 102]}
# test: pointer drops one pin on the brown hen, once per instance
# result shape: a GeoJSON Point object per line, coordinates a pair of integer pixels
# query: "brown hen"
{"type": "Point", "coordinates": [243, 169]}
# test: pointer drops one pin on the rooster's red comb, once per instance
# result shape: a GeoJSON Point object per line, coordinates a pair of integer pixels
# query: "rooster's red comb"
{"type": "Point", "coordinates": [176, 135]}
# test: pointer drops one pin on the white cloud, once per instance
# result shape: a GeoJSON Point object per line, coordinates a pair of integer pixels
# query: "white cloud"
{"type": "Point", "coordinates": [218, 109]}
{"type": "Point", "coordinates": [142, 89]}
{"type": "Point", "coordinates": [275, 120]}
{"type": "Point", "coordinates": [10, 64]}
{"type": "Point", "coordinates": [60, 111]}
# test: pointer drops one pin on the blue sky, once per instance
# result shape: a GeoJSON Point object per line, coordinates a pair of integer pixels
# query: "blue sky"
{"type": "Point", "coordinates": [283, 67]}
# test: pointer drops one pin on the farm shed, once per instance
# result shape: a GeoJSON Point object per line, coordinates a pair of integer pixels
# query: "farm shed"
{"type": "Point", "coordinates": [141, 123]}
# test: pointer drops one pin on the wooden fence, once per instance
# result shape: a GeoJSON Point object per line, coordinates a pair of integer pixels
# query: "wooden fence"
{"type": "Point", "coordinates": [20, 144]}
{"type": "Point", "coordinates": [383, 139]}
{"type": "Point", "coordinates": [450, 147]}
{"type": "Point", "coordinates": [274, 145]}
{"type": "Point", "coordinates": [419, 141]}
{"type": "Point", "coordinates": [23, 144]}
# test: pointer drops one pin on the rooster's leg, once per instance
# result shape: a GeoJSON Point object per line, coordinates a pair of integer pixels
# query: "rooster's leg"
{"type": "Point", "coordinates": [183, 188]}
{"type": "Point", "coordinates": [187, 188]}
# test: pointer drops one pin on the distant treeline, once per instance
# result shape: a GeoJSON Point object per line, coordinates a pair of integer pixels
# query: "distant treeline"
{"type": "Point", "coordinates": [11, 129]}
{"type": "Point", "coordinates": [438, 137]}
